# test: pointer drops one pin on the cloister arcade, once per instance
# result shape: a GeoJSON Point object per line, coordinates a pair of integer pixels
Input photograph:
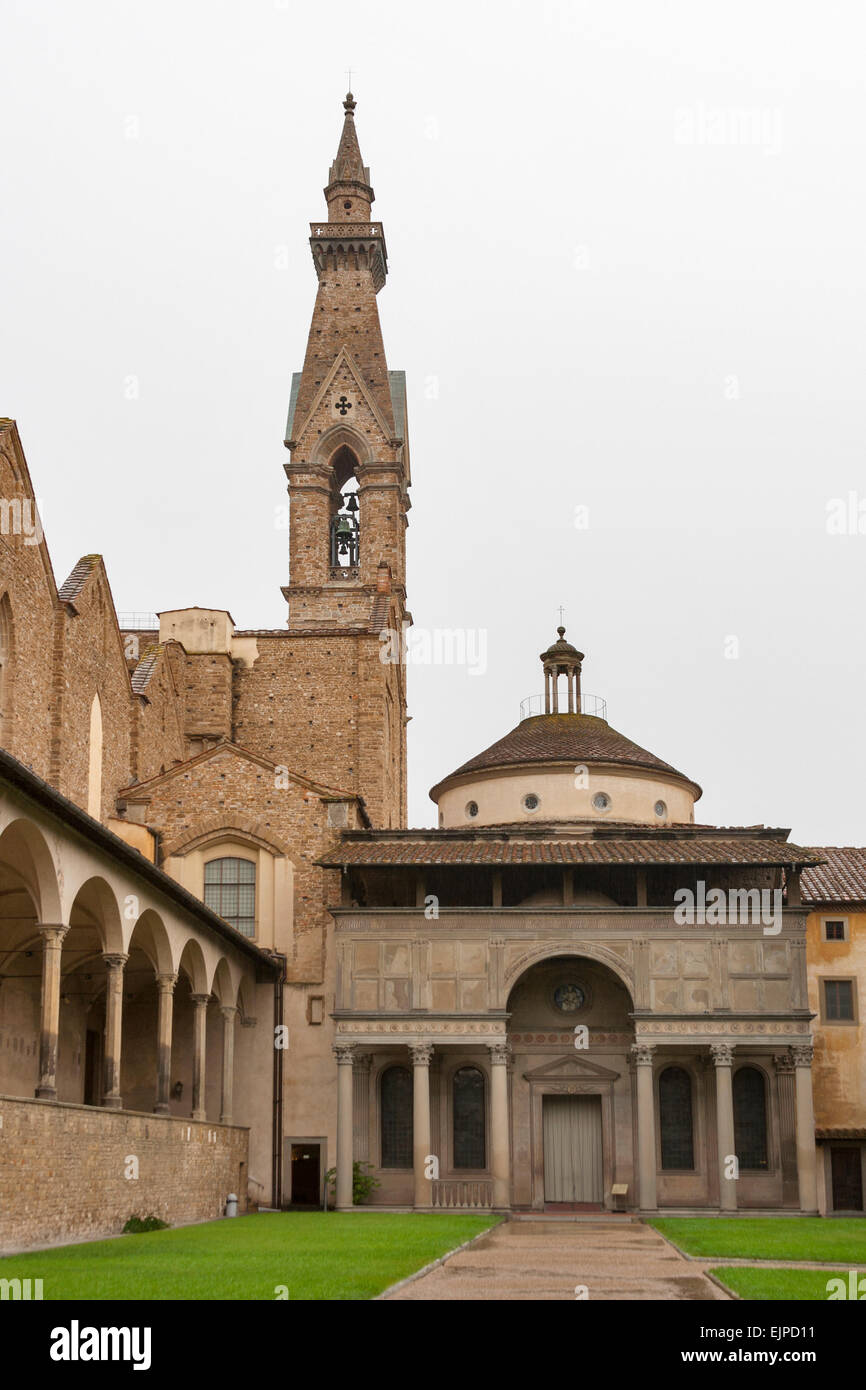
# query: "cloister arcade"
{"type": "Point", "coordinates": [113, 991]}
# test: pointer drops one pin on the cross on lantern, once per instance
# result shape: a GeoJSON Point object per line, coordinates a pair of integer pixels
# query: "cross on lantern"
{"type": "Point", "coordinates": [561, 611]}
{"type": "Point", "coordinates": [343, 405]}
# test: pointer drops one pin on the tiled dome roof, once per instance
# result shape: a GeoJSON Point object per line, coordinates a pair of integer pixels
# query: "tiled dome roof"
{"type": "Point", "coordinates": [560, 738]}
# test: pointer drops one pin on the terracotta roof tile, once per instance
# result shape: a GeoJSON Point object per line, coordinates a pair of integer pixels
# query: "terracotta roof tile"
{"type": "Point", "coordinates": [76, 580]}
{"type": "Point", "coordinates": [842, 879]}
{"type": "Point", "coordinates": [447, 850]}
{"type": "Point", "coordinates": [145, 668]}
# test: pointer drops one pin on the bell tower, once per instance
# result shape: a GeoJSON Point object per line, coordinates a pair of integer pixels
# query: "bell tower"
{"type": "Point", "coordinates": [348, 483]}
{"type": "Point", "coordinates": [346, 430]}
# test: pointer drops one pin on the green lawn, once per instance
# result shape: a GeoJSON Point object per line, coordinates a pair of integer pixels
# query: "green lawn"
{"type": "Point", "coordinates": [769, 1284]}
{"type": "Point", "coordinates": [769, 1238]}
{"type": "Point", "coordinates": [318, 1255]}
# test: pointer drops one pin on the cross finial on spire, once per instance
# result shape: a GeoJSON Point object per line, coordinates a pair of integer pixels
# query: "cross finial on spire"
{"type": "Point", "coordinates": [560, 610]}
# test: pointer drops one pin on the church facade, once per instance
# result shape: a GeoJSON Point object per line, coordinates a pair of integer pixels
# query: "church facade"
{"type": "Point", "coordinates": [221, 946]}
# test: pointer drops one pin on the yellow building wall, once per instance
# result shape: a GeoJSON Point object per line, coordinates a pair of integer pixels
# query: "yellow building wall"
{"type": "Point", "coordinates": [839, 1069]}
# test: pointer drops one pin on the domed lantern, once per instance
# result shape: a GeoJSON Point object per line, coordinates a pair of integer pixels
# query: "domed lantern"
{"type": "Point", "coordinates": [561, 659]}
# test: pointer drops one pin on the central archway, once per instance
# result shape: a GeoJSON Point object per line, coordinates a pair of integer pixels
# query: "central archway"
{"type": "Point", "coordinates": [570, 1030]}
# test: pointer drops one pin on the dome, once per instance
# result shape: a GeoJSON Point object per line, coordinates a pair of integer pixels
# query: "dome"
{"type": "Point", "coordinates": [563, 738]}
{"type": "Point", "coordinates": [570, 767]}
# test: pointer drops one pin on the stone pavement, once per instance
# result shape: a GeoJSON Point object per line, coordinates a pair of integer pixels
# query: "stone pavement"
{"type": "Point", "coordinates": [546, 1260]}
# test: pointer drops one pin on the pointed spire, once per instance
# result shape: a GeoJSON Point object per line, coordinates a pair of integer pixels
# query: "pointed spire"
{"type": "Point", "coordinates": [348, 192]}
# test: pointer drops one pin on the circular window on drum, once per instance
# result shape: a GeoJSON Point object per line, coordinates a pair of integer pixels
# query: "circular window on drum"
{"type": "Point", "coordinates": [472, 809]}
{"type": "Point", "coordinates": [661, 810]}
{"type": "Point", "coordinates": [601, 801]}
{"type": "Point", "coordinates": [530, 802]}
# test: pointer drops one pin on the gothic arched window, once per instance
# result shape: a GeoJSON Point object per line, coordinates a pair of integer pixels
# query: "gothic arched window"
{"type": "Point", "coordinates": [395, 1103]}
{"type": "Point", "coordinates": [230, 891]}
{"type": "Point", "coordinates": [750, 1117]}
{"type": "Point", "coordinates": [675, 1118]}
{"type": "Point", "coordinates": [468, 1112]}
{"type": "Point", "coordinates": [94, 768]}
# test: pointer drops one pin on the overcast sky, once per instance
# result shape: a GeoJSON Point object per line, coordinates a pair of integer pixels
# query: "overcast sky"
{"type": "Point", "coordinates": [626, 253]}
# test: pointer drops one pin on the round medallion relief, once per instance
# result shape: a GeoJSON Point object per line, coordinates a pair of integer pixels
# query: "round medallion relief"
{"type": "Point", "coordinates": [570, 997]}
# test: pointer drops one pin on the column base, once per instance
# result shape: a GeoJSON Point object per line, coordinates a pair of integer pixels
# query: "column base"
{"type": "Point", "coordinates": [46, 1092]}
{"type": "Point", "coordinates": [112, 1102]}
{"type": "Point", "coordinates": [198, 1115]}
{"type": "Point", "coordinates": [225, 1119]}
{"type": "Point", "coordinates": [162, 1109]}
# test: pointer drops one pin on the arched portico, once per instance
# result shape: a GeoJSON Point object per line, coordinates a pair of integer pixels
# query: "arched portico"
{"type": "Point", "coordinates": [570, 1031]}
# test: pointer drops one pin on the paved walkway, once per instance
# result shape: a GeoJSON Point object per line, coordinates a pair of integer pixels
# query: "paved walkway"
{"type": "Point", "coordinates": [543, 1260]}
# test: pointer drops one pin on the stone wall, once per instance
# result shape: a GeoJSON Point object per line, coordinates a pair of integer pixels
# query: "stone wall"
{"type": "Point", "coordinates": [62, 1171]}
{"type": "Point", "coordinates": [27, 597]}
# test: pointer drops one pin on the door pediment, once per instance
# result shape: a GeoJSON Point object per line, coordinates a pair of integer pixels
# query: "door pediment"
{"type": "Point", "coordinates": [570, 1068]}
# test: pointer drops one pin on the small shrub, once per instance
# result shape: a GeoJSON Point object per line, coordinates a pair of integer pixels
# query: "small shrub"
{"type": "Point", "coordinates": [137, 1224]}
{"type": "Point", "coordinates": [362, 1183]}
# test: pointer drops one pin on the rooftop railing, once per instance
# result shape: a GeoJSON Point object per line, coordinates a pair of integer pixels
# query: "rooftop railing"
{"type": "Point", "coordinates": [589, 704]}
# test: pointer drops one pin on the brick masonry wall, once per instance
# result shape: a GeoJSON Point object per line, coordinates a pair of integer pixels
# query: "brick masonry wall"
{"type": "Point", "coordinates": [89, 660]}
{"type": "Point", "coordinates": [27, 595]}
{"type": "Point", "coordinates": [317, 705]}
{"type": "Point", "coordinates": [227, 788]}
{"type": "Point", "coordinates": [207, 695]}
{"type": "Point", "coordinates": [62, 1171]}
{"type": "Point", "coordinates": [158, 730]}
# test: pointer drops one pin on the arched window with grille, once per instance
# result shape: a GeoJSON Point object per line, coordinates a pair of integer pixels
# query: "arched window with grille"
{"type": "Point", "coordinates": [750, 1118]}
{"type": "Point", "coordinates": [469, 1118]}
{"type": "Point", "coordinates": [676, 1125]}
{"type": "Point", "coordinates": [230, 891]}
{"type": "Point", "coordinates": [395, 1105]}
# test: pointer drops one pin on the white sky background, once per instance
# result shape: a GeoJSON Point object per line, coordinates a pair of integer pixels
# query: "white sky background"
{"type": "Point", "coordinates": [606, 290]}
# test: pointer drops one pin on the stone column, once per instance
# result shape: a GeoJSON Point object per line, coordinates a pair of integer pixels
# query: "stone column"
{"type": "Point", "coordinates": [345, 1055]}
{"type": "Point", "coordinates": [421, 1054]}
{"type": "Point", "coordinates": [784, 1064]}
{"type": "Point", "coordinates": [199, 1056]}
{"type": "Point", "coordinates": [723, 1059]}
{"type": "Point", "coordinates": [52, 946]}
{"type": "Point", "coordinates": [500, 1150]}
{"type": "Point", "coordinates": [165, 983]}
{"type": "Point", "coordinates": [229, 1013]}
{"type": "Point", "coordinates": [642, 1055]}
{"type": "Point", "coordinates": [807, 1175]}
{"type": "Point", "coordinates": [114, 963]}
{"type": "Point", "coordinates": [361, 1105]}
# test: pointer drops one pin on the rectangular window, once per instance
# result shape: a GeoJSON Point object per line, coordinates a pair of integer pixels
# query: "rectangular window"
{"type": "Point", "coordinates": [834, 929]}
{"type": "Point", "coordinates": [838, 1001]}
{"type": "Point", "coordinates": [230, 891]}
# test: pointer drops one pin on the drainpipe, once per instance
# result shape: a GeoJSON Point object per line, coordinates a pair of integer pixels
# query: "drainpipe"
{"type": "Point", "coordinates": [277, 1136]}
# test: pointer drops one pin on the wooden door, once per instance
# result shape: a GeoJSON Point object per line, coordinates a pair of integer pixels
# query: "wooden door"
{"type": "Point", "coordinates": [572, 1149]}
{"type": "Point", "coordinates": [847, 1176]}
